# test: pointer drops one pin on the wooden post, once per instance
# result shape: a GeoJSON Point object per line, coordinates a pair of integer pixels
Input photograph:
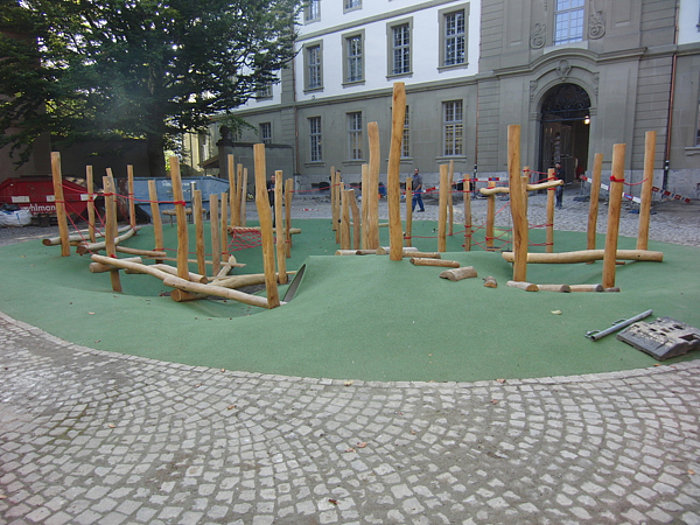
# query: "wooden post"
{"type": "Point", "coordinates": [593, 203]}
{"type": "Point", "coordinates": [198, 214]}
{"type": "Point", "coordinates": [240, 193]}
{"type": "Point", "coordinates": [450, 200]}
{"type": "Point", "coordinates": [393, 184]}
{"type": "Point", "coordinates": [91, 202]}
{"type": "Point", "coordinates": [372, 194]}
{"type": "Point", "coordinates": [234, 201]}
{"type": "Point", "coordinates": [365, 206]}
{"type": "Point", "coordinates": [550, 214]}
{"type": "Point", "coordinates": [520, 233]}
{"type": "Point", "coordinates": [263, 204]}
{"type": "Point", "coordinates": [155, 215]}
{"type": "Point", "coordinates": [647, 184]}
{"type": "Point", "coordinates": [334, 211]}
{"type": "Point", "coordinates": [214, 228]}
{"type": "Point", "coordinates": [132, 203]}
{"type": "Point", "coordinates": [288, 194]}
{"type": "Point", "coordinates": [490, 216]}
{"type": "Point", "coordinates": [60, 202]}
{"type": "Point", "coordinates": [224, 224]}
{"type": "Point", "coordinates": [409, 211]}
{"type": "Point", "coordinates": [442, 214]}
{"type": "Point", "coordinates": [525, 180]}
{"type": "Point", "coordinates": [617, 180]}
{"type": "Point", "coordinates": [111, 229]}
{"type": "Point", "coordinates": [467, 196]}
{"type": "Point", "coordinates": [244, 198]}
{"type": "Point", "coordinates": [355, 219]}
{"type": "Point", "coordinates": [344, 221]}
{"type": "Point", "coordinates": [183, 270]}
{"type": "Point", "coordinates": [279, 228]}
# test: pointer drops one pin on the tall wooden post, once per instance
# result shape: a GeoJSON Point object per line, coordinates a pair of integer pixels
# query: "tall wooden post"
{"type": "Point", "coordinates": [442, 201]}
{"type": "Point", "coordinates": [372, 194]}
{"type": "Point", "coordinates": [91, 202]}
{"type": "Point", "coordinates": [490, 216]}
{"type": "Point", "coordinates": [183, 270]}
{"type": "Point", "coordinates": [155, 215]}
{"type": "Point", "coordinates": [60, 202]}
{"type": "Point", "coordinates": [617, 180]}
{"type": "Point", "coordinates": [549, 248]}
{"type": "Point", "coordinates": [111, 228]}
{"type": "Point", "coordinates": [520, 232]}
{"type": "Point", "coordinates": [524, 181]}
{"type": "Point", "coordinates": [263, 205]}
{"type": "Point", "coordinates": [223, 250]}
{"type": "Point", "coordinates": [334, 210]}
{"type": "Point", "coordinates": [467, 196]}
{"type": "Point", "coordinates": [450, 200]}
{"type": "Point", "coordinates": [593, 202]}
{"type": "Point", "coordinates": [130, 190]}
{"type": "Point", "coordinates": [344, 221]}
{"type": "Point", "coordinates": [288, 194]}
{"type": "Point", "coordinates": [409, 211]}
{"type": "Point", "coordinates": [647, 184]}
{"type": "Point", "coordinates": [240, 193]}
{"type": "Point", "coordinates": [234, 201]}
{"type": "Point", "coordinates": [355, 219]}
{"type": "Point", "coordinates": [393, 185]}
{"type": "Point", "coordinates": [365, 206]}
{"type": "Point", "coordinates": [214, 229]}
{"type": "Point", "coordinates": [198, 214]}
{"type": "Point", "coordinates": [279, 228]}
{"type": "Point", "coordinates": [244, 197]}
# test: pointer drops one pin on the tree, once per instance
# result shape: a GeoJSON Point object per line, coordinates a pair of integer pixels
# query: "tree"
{"type": "Point", "coordinates": [148, 69]}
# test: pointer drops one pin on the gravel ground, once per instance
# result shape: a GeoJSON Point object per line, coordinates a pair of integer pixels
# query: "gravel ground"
{"type": "Point", "coordinates": [671, 221]}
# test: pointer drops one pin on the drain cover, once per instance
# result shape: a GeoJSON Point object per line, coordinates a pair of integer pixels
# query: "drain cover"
{"type": "Point", "coordinates": [663, 338]}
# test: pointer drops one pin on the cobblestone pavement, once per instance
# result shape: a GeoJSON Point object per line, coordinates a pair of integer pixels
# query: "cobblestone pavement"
{"type": "Point", "coordinates": [92, 437]}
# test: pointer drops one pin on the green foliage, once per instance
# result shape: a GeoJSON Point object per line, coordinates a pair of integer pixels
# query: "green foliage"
{"type": "Point", "coordinates": [140, 68]}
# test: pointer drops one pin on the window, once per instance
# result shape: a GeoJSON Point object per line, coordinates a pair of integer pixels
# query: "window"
{"type": "Point", "coordinates": [312, 10]}
{"type": "Point", "coordinates": [266, 132]}
{"type": "Point", "coordinates": [264, 92]}
{"type": "Point", "coordinates": [353, 69]}
{"type": "Point", "coordinates": [355, 135]}
{"type": "Point", "coordinates": [454, 38]}
{"type": "Point", "coordinates": [400, 49]}
{"type": "Point", "coordinates": [697, 133]}
{"type": "Point", "coordinates": [568, 21]}
{"type": "Point", "coordinates": [452, 128]}
{"type": "Point", "coordinates": [313, 71]}
{"type": "Point", "coordinates": [315, 139]}
{"type": "Point", "coordinates": [406, 139]}
{"type": "Point", "coordinates": [349, 5]}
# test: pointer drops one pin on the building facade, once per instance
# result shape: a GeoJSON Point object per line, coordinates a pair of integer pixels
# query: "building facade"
{"type": "Point", "coordinates": [577, 75]}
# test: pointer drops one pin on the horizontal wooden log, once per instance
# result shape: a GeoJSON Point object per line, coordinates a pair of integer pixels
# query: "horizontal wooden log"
{"type": "Point", "coordinates": [243, 229]}
{"type": "Point", "coordinates": [586, 287]}
{"type": "Point", "coordinates": [563, 288]}
{"type": "Point", "coordinates": [494, 191]}
{"type": "Point", "coordinates": [84, 248]}
{"type": "Point", "coordinates": [81, 236]}
{"type": "Point", "coordinates": [523, 285]}
{"type": "Point", "coordinates": [249, 279]}
{"type": "Point", "coordinates": [149, 254]}
{"type": "Point", "coordinates": [545, 185]}
{"type": "Point", "coordinates": [587, 255]}
{"type": "Point", "coordinates": [384, 250]}
{"type": "Point", "coordinates": [422, 261]}
{"type": "Point", "coordinates": [490, 282]}
{"type": "Point", "coordinates": [349, 252]}
{"type": "Point", "coordinates": [134, 267]}
{"type": "Point", "coordinates": [457, 274]}
{"type": "Point", "coordinates": [96, 267]}
{"type": "Point", "coordinates": [218, 291]}
{"type": "Point", "coordinates": [423, 255]}
{"type": "Point", "coordinates": [194, 277]}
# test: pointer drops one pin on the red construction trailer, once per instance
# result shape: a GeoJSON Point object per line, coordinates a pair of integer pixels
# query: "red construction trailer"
{"type": "Point", "coordinates": [36, 195]}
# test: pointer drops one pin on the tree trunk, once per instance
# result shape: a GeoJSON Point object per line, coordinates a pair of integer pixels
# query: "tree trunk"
{"type": "Point", "coordinates": [155, 146]}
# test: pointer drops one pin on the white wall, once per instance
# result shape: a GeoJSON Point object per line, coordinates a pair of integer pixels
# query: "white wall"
{"type": "Point", "coordinates": [425, 44]}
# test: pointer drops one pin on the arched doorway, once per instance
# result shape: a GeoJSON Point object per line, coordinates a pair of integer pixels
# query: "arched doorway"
{"type": "Point", "coordinates": [564, 125]}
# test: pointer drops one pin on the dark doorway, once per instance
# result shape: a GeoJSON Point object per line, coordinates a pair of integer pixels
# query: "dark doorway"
{"type": "Point", "coordinates": [564, 125]}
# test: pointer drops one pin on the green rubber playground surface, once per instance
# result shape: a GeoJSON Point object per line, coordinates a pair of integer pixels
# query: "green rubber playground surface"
{"type": "Point", "coordinates": [362, 317]}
